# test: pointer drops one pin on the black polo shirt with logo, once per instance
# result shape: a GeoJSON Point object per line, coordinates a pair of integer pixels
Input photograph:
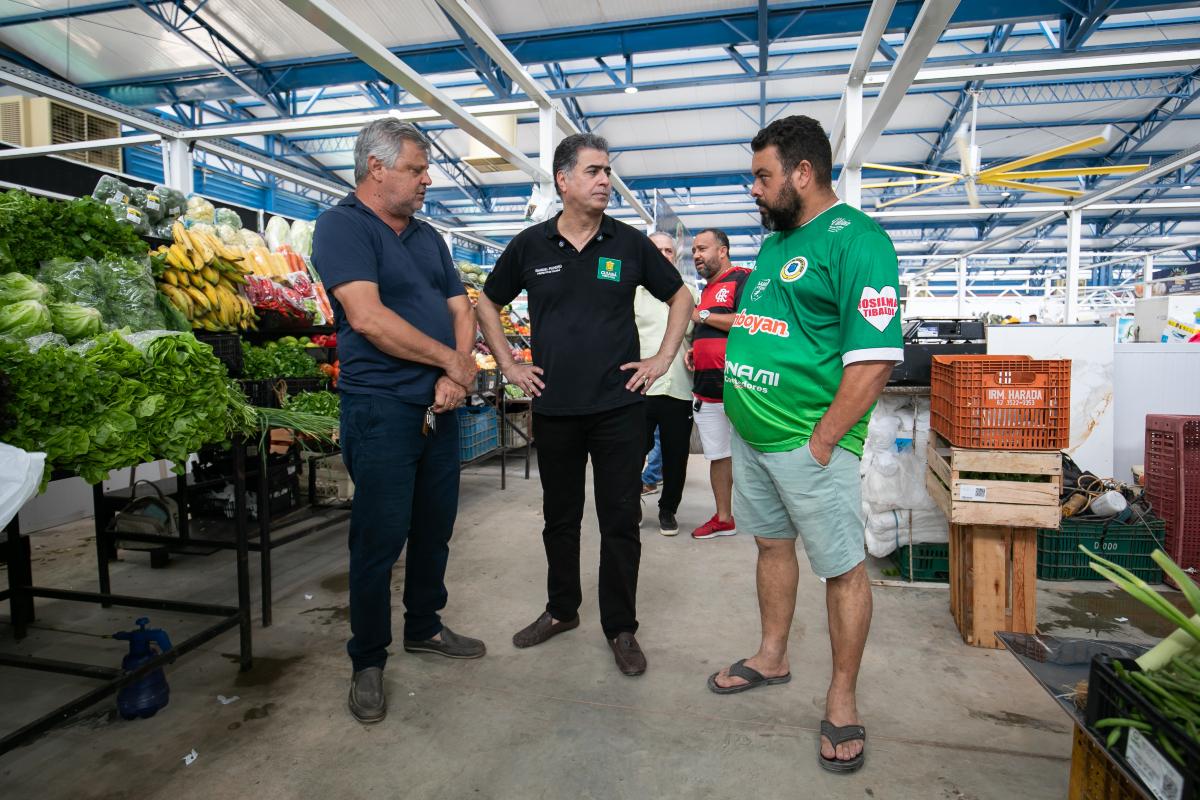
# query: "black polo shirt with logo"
{"type": "Point", "coordinates": [581, 309]}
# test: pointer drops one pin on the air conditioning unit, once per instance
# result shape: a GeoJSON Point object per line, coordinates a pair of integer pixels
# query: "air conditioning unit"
{"type": "Point", "coordinates": [36, 121]}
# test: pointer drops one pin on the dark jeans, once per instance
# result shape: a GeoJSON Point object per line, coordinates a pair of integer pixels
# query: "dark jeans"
{"type": "Point", "coordinates": [615, 440]}
{"type": "Point", "coordinates": [673, 418]}
{"type": "Point", "coordinates": [405, 491]}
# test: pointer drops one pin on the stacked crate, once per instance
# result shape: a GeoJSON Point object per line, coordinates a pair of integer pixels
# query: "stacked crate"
{"type": "Point", "coordinates": [1173, 483]}
{"type": "Point", "coordinates": [995, 470]}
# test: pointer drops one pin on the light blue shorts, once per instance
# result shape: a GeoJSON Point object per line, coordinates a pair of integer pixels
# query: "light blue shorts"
{"type": "Point", "coordinates": [789, 495]}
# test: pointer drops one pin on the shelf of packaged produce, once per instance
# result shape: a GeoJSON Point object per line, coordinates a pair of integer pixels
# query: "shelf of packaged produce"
{"type": "Point", "coordinates": [276, 333]}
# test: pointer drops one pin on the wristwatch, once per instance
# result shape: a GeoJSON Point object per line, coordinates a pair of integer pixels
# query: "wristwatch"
{"type": "Point", "coordinates": [704, 315]}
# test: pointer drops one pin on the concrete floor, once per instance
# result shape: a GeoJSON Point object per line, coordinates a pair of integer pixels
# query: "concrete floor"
{"type": "Point", "coordinates": [558, 721]}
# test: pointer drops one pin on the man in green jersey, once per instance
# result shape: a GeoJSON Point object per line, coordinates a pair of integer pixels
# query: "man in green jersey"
{"type": "Point", "coordinates": [814, 339]}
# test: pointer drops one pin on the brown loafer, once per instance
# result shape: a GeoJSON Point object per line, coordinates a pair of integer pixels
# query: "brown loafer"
{"type": "Point", "coordinates": [628, 654]}
{"type": "Point", "coordinates": [542, 629]}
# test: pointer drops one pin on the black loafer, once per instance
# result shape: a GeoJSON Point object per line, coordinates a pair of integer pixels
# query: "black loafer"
{"type": "Point", "coordinates": [451, 646]}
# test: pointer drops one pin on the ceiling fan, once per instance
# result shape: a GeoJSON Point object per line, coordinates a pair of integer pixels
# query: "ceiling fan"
{"type": "Point", "coordinates": [1009, 175]}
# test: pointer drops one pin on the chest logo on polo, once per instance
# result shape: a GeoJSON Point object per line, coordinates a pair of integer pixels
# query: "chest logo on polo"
{"type": "Point", "coordinates": [794, 270]}
{"type": "Point", "coordinates": [838, 224]}
{"type": "Point", "coordinates": [609, 269]}
{"type": "Point", "coordinates": [878, 307]}
{"type": "Point", "coordinates": [759, 288]}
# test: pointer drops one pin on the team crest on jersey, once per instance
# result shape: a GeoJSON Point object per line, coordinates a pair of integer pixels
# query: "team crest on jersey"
{"type": "Point", "coordinates": [722, 295]}
{"type": "Point", "coordinates": [794, 270]}
{"type": "Point", "coordinates": [838, 224]}
{"type": "Point", "coordinates": [759, 288]}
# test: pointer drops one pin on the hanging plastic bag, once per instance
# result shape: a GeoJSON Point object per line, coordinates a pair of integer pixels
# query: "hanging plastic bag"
{"type": "Point", "coordinates": [20, 476]}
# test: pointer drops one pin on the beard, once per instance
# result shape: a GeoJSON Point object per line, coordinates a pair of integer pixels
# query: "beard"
{"type": "Point", "coordinates": [783, 215]}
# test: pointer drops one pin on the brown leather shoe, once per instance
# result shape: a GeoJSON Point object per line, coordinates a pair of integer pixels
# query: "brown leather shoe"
{"type": "Point", "coordinates": [542, 629]}
{"type": "Point", "coordinates": [628, 653]}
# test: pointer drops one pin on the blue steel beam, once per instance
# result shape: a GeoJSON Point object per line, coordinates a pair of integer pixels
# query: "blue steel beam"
{"type": "Point", "coordinates": [570, 104]}
{"type": "Point", "coordinates": [492, 76]}
{"type": "Point", "coordinates": [1153, 192]}
{"type": "Point", "coordinates": [995, 43]}
{"type": "Point", "coordinates": [1186, 92]}
{"type": "Point", "coordinates": [707, 29]}
{"type": "Point", "coordinates": [71, 12]}
{"type": "Point", "coordinates": [1076, 27]}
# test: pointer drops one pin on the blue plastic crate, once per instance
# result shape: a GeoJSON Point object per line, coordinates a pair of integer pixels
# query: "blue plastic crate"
{"type": "Point", "coordinates": [478, 432]}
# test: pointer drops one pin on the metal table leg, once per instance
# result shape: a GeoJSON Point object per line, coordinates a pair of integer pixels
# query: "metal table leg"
{"type": "Point", "coordinates": [243, 553]}
{"type": "Point", "coordinates": [264, 532]}
{"type": "Point", "coordinates": [104, 541]}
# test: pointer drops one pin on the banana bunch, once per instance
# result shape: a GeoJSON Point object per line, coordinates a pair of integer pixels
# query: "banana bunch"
{"type": "Point", "coordinates": [201, 277]}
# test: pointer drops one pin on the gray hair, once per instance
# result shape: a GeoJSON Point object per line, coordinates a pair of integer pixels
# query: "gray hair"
{"type": "Point", "coordinates": [566, 155]}
{"type": "Point", "coordinates": [384, 139]}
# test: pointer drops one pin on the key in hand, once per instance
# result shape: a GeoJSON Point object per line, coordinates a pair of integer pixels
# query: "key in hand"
{"type": "Point", "coordinates": [430, 424]}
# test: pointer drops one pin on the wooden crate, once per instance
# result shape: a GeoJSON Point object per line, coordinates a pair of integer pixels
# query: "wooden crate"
{"type": "Point", "coordinates": [968, 500]}
{"type": "Point", "coordinates": [993, 581]}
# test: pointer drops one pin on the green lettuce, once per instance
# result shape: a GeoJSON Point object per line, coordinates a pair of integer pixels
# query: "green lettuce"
{"type": "Point", "coordinates": [74, 321]}
{"type": "Point", "coordinates": [24, 319]}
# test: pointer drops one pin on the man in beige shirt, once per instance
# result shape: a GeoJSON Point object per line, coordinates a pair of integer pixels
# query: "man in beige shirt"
{"type": "Point", "coordinates": [669, 399]}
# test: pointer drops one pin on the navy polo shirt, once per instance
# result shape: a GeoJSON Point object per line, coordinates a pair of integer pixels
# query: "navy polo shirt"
{"type": "Point", "coordinates": [416, 277]}
{"type": "Point", "coordinates": [581, 309]}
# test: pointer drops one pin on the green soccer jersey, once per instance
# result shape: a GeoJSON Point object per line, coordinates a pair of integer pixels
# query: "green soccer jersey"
{"type": "Point", "coordinates": [821, 296]}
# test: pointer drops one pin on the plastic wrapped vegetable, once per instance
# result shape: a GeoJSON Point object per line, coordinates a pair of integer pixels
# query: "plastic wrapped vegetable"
{"type": "Point", "coordinates": [74, 321]}
{"type": "Point", "coordinates": [199, 210]}
{"type": "Point", "coordinates": [277, 233]}
{"type": "Point", "coordinates": [229, 235]}
{"type": "Point", "coordinates": [137, 197]}
{"type": "Point", "coordinates": [24, 319]}
{"type": "Point", "coordinates": [74, 281]}
{"type": "Point", "coordinates": [250, 239]}
{"type": "Point", "coordinates": [130, 294]}
{"type": "Point", "coordinates": [16, 286]}
{"type": "Point", "coordinates": [153, 207]}
{"type": "Point", "coordinates": [123, 212]}
{"type": "Point", "coordinates": [227, 216]}
{"type": "Point", "coordinates": [110, 187]}
{"type": "Point", "coordinates": [173, 202]}
{"type": "Point", "coordinates": [302, 236]}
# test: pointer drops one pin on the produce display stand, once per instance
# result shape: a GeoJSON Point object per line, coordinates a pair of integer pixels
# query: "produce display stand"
{"type": "Point", "coordinates": [215, 534]}
{"type": "Point", "coordinates": [22, 591]}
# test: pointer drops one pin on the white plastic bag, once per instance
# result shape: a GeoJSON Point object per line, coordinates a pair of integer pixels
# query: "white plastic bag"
{"type": "Point", "coordinates": [20, 476]}
{"type": "Point", "coordinates": [277, 233]}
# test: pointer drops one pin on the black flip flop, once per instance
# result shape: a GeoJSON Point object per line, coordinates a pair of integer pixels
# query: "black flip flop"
{"type": "Point", "coordinates": [739, 670]}
{"type": "Point", "coordinates": [836, 736]}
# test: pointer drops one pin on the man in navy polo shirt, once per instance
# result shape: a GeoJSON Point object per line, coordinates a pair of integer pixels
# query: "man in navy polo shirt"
{"type": "Point", "coordinates": [405, 333]}
{"type": "Point", "coordinates": [581, 269]}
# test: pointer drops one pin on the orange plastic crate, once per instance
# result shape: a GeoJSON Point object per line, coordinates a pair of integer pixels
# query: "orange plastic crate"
{"type": "Point", "coordinates": [1002, 402]}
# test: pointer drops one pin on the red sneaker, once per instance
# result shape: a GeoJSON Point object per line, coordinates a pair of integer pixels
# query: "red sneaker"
{"type": "Point", "coordinates": [714, 528]}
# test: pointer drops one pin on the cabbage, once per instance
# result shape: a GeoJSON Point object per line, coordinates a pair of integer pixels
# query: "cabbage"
{"type": "Point", "coordinates": [24, 319]}
{"type": "Point", "coordinates": [277, 233]}
{"type": "Point", "coordinates": [74, 321]}
{"type": "Point", "coordinates": [16, 286]}
{"type": "Point", "coordinates": [227, 216]}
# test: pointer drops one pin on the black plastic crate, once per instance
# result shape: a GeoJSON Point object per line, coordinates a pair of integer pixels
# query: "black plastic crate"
{"type": "Point", "coordinates": [261, 393]}
{"type": "Point", "coordinates": [1110, 696]}
{"type": "Point", "coordinates": [296, 385]}
{"type": "Point", "coordinates": [227, 347]}
{"type": "Point", "coordinates": [214, 463]}
{"type": "Point", "coordinates": [283, 489]}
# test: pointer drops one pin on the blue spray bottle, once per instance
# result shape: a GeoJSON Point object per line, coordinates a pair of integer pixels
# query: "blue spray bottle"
{"type": "Point", "coordinates": [143, 698]}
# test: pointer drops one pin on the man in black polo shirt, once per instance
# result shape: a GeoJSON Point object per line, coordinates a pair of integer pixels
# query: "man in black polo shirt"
{"type": "Point", "coordinates": [405, 336]}
{"type": "Point", "coordinates": [581, 269]}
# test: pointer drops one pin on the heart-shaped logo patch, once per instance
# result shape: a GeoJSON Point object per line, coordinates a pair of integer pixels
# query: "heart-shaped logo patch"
{"type": "Point", "coordinates": [878, 307]}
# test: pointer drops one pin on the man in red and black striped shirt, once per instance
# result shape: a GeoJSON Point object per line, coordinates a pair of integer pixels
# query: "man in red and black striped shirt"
{"type": "Point", "coordinates": [713, 319]}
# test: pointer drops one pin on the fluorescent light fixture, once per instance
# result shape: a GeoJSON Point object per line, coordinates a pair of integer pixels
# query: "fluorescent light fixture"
{"type": "Point", "coordinates": [1032, 69]}
{"type": "Point", "coordinates": [333, 121]}
{"type": "Point", "coordinates": [631, 90]}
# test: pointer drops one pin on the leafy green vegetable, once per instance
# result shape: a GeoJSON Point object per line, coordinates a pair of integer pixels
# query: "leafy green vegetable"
{"type": "Point", "coordinates": [74, 321]}
{"type": "Point", "coordinates": [34, 229]}
{"type": "Point", "coordinates": [15, 287]}
{"type": "Point", "coordinates": [278, 361]}
{"type": "Point", "coordinates": [325, 404]}
{"type": "Point", "coordinates": [24, 319]}
{"type": "Point", "coordinates": [120, 287]}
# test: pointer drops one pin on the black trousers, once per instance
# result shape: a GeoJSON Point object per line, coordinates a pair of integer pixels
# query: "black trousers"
{"type": "Point", "coordinates": [673, 418]}
{"type": "Point", "coordinates": [615, 441]}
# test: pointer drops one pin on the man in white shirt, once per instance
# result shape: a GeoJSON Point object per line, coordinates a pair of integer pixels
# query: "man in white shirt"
{"type": "Point", "coordinates": [669, 399]}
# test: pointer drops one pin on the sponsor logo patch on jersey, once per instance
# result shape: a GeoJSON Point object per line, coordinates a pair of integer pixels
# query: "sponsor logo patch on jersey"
{"type": "Point", "coordinates": [756, 324]}
{"type": "Point", "coordinates": [794, 270]}
{"type": "Point", "coordinates": [878, 307]}
{"type": "Point", "coordinates": [759, 288]}
{"type": "Point", "coordinates": [838, 224]}
{"type": "Point", "coordinates": [746, 376]}
{"type": "Point", "coordinates": [722, 296]}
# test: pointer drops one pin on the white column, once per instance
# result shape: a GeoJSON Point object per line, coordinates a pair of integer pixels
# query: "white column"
{"type": "Point", "coordinates": [546, 146]}
{"type": "Point", "coordinates": [177, 164]}
{"type": "Point", "coordinates": [851, 178]}
{"type": "Point", "coordinates": [1074, 234]}
{"type": "Point", "coordinates": [1147, 274]}
{"type": "Point", "coordinates": [962, 287]}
